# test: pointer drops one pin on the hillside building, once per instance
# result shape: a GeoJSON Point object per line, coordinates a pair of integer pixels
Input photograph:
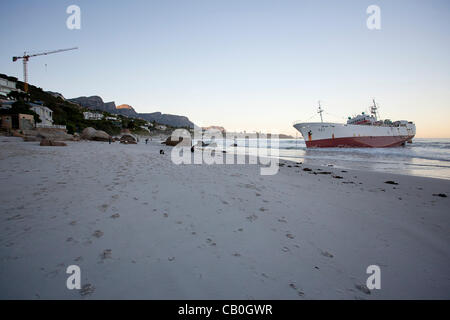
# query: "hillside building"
{"type": "Point", "coordinates": [92, 116]}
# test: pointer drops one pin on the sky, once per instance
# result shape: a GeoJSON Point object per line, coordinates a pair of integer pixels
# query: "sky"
{"type": "Point", "coordinates": [244, 65]}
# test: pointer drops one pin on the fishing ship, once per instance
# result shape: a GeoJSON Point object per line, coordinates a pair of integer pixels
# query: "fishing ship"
{"type": "Point", "coordinates": [361, 131]}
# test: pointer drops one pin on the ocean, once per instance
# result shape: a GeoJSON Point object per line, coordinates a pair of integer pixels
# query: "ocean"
{"type": "Point", "coordinates": [423, 157]}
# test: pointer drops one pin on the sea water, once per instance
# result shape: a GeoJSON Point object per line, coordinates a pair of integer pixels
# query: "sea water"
{"type": "Point", "coordinates": [423, 157]}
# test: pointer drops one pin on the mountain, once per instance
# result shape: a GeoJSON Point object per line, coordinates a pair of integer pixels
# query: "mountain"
{"type": "Point", "coordinates": [96, 103]}
{"type": "Point", "coordinates": [127, 110]}
{"type": "Point", "coordinates": [110, 106]}
{"type": "Point", "coordinates": [167, 119]}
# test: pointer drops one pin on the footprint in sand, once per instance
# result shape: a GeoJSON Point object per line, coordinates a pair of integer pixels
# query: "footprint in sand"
{"type": "Point", "coordinates": [115, 216]}
{"type": "Point", "coordinates": [97, 233]}
{"type": "Point", "coordinates": [299, 292]}
{"type": "Point", "coordinates": [106, 254]}
{"type": "Point", "coordinates": [210, 242]}
{"type": "Point", "coordinates": [52, 274]}
{"type": "Point", "coordinates": [362, 288]}
{"type": "Point", "coordinates": [290, 236]}
{"type": "Point", "coordinates": [252, 218]}
{"type": "Point", "coordinates": [327, 254]}
{"type": "Point", "coordinates": [87, 289]}
{"type": "Point", "coordinates": [16, 217]}
{"type": "Point", "coordinates": [103, 207]}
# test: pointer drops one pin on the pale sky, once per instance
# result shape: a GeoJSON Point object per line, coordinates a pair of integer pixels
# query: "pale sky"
{"type": "Point", "coordinates": [245, 65]}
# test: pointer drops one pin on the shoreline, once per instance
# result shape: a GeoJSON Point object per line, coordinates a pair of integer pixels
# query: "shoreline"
{"type": "Point", "coordinates": [424, 158]}
{"type": "Point", "coordinates": [141, 227]}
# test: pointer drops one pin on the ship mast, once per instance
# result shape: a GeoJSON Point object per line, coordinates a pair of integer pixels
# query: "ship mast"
{"type": "Point", "coordinates": [319, 111]}
{"type": "Point", "coordinates": [373, 109]}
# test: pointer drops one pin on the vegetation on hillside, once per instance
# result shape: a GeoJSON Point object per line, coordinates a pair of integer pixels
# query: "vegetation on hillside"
{"type": "Point", "coordinates": [71, 114]}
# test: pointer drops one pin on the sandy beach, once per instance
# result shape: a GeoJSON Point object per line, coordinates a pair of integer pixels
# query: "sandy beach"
{"type": "Point", "coordinates": [141, 227]}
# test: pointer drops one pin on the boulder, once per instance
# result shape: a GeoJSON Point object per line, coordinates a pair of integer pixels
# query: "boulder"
{"type": "Point", "coordinates": [31, 139]}
{"type": "Point", "coordinates": [46, 143]}
{"type": "Point", "coordinates": [90, 133]}
{"type": "Point", "coordinates": [18, 134]}
{"type": "Point", "coordinates": [76, 137]}
{"type": "Point", "coordinates": [58, 144]}
{"type": "Point", "coordinates": [128, 139]}
{"type": "Point", "coordinates": [181, 142]}
{"type": "Point", "coordinates": [101, 136]}
{"type": "Point", "coordinates": [50, 143]}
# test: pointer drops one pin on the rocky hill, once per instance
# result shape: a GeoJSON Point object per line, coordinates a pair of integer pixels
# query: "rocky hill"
{"type": "Point", "coordinates": [167, 119]}
{"type": "Point", "coordinates": [96, 103]}
{"type": "Point", "coordinates": [127, 110]}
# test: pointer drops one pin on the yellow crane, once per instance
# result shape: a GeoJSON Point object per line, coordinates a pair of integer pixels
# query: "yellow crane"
{"type": "Point", "coordinates": [26, 57]}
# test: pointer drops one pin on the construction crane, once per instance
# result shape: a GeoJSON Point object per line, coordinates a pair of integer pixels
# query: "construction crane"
{"type": "Point", "coordinates": [26, 57]}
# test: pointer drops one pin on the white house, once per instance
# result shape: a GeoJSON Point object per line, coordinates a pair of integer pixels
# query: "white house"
{"type": "Point", "coordinates": [6, 86]}
{"type": "Point", "coordinates": [6, 104]}
{"type": "Point", "coordinates": [111, 118]}
{"type": "Point", "coordinates": [92, 116]}
{"type": "Point", "coordinates": [161, 127]}
{"type": "Point", "coordinates": [144, 128]}
{"type": "Point", "coordinates": [45, 114]}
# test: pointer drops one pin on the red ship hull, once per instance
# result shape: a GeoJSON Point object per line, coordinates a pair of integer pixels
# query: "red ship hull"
{"type": "Point", "coordinates": [360, 142]}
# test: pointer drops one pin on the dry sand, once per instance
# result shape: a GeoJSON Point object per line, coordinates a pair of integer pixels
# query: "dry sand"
{"type": "Point", "coordinates": [141, 227]}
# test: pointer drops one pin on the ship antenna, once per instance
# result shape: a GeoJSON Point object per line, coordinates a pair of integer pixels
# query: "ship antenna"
{"type": "Point", "coordinates": [320, 112]}
{"type": "Point", "coordinates": [374, 109]}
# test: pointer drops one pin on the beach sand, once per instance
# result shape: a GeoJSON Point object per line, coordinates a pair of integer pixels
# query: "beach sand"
{"type": "Point", "coordinates": [141, 227]}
